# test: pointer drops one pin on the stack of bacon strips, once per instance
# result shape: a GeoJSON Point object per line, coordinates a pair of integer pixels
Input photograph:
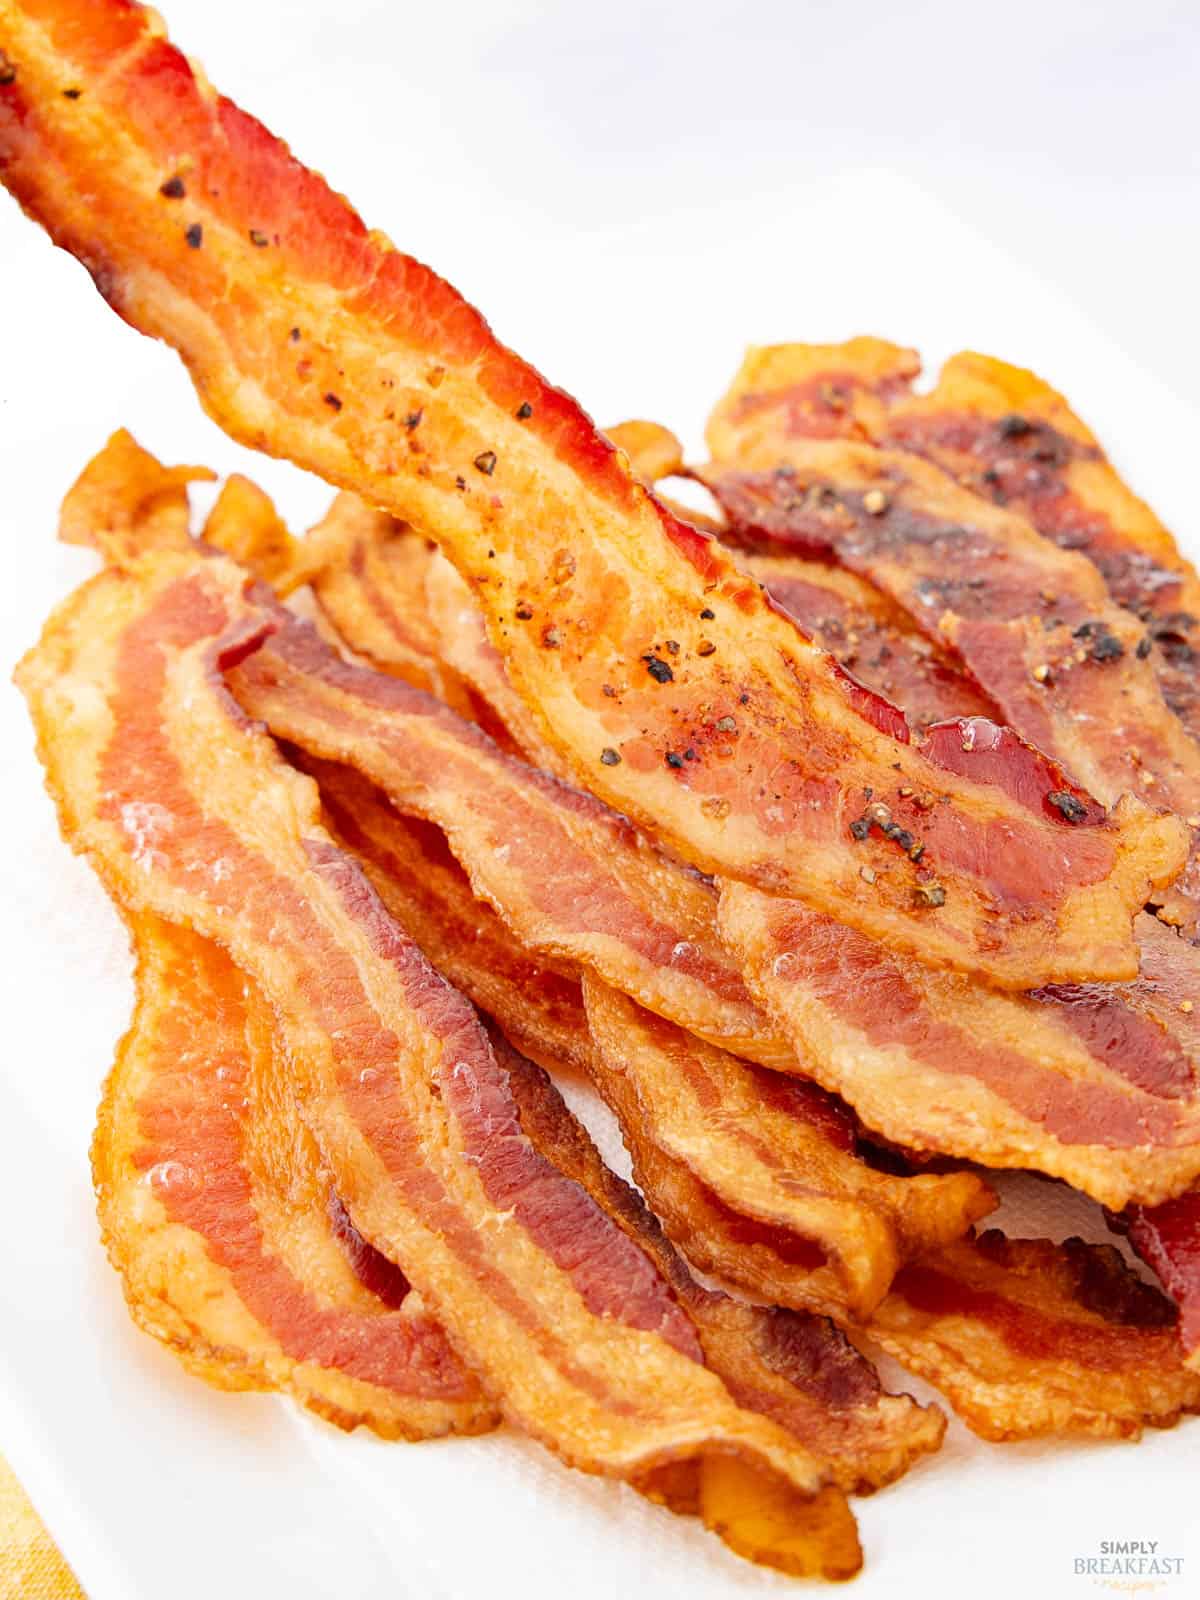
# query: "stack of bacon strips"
{"type": "Point", "coordinates": [831, 888]}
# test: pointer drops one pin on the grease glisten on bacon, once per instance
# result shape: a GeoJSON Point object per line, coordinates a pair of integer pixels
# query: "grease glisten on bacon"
{"type": "Point", "coordinates": [329, 346]}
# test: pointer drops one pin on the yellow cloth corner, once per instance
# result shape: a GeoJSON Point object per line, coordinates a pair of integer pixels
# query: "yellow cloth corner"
{"type": "Point", "coordinates": [30, 1565]}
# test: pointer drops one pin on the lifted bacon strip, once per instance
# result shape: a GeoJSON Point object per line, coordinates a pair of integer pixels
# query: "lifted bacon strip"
{"type": "Point", "coordinates": [774, 1151]}
{"type": "Point", "coordinates": [328, 346]}
{"type": "Point", "coordinates": [574, 880]}
{"type": "Point", "coordinates": [792, 1366]}
{"type": "Point", "coordinates": [1032, 624]}
{"type": "Point", "coordinates": [218, 1213]}
{"type": "Point", "coordinates": [1030, 1339]}
{"type": "Point", "coordinates": [188, 811]}
{"type": "Point", "coordinates": [1009, 437]}
{"type": "Point", "coordinates": [1094, 1084]}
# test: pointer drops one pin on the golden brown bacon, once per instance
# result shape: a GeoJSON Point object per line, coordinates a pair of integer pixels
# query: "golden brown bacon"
{"type": "Point", "coordinates": [1094, 1084]}
{"type": "Point", "coordinates": [775, 1152]}
{"type": "Point", "coordinates": [1006, 435]}
{"type": "Point", "coordinates": [327, 345]}
{"type": "Point", "coordinates": [188, 812]}
{"type": "Point", "coordinates": [217, 1211]}
{"type": "Point", "coordinates": [1027, 1338]}
{"type": "Point", "coordinates": [1032, 624]}
{"type": "Point", "coordinates": [573, 879]}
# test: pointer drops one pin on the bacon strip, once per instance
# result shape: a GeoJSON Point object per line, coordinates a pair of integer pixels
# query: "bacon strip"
{"type": "Point", "coordinates": [326, 345]}
{"type": "Point", "coordinates": [789, 1365]}
{"type": "Point", "coordinates": [217, 1212]}
{"type": "Point", "coordinates": [1026, 1339]}
{"type": "Point", "coordinates": [1097, 1085]}
{"type": "Point", "coordinates": [574, 880]}
{"type": "Point", "coordinates": [187, 811]}
{"type": "Point", "coordinates": [1009, 437]}
{"type": "Point", "coordinates": [777, 1153]}
{"type": "Point", "coordinates": [1032, 624]}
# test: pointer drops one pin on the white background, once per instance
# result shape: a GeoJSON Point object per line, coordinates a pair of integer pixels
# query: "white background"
{"type": "Point", "coordinates": [631, 192]}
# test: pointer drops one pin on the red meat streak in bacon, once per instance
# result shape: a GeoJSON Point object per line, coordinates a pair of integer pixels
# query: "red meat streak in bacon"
{"type": "Point", "coordinates": [207, 1188]}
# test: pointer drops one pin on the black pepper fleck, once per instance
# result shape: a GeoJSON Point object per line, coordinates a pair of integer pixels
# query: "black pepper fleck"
{"type": "Point", "coordinates": [258, 240]}
{"type": "Point", "coordinates": [1013, 426]}
{"type": "Point", "coordinates": [673, 760]}
{"type": "Point", "coordinates": [610, 758]}
{"type": "Point", "coordinates": [524, 411]}
{"type": "Point", "coordinates": [485, 462]}
{"type": "Point", "coordinates": [460, 483]}
{"type": "Point", "coordinates": [1144, 647]}
{"type": "Point", "coordinates": [524, 612]}
{"type": "Point", "coordinates": [860, 828]}
{"type": "Point", "coordinates": [413, 419]}
{"type": "Point", "coordinates": [332, 401]}
{"type": "Point", "coordinates": [194, 236]}
{"type": "Point", "coordinates": [1071, 807]}
{"type": "Point", "coordinates": [658, 669]}
{"type": "Point", "coordinates": [174, 188]}
{"type": "Point", "coordinates": [673, 647]}
{"type": "Point", "coordinates": [294, 335]}
{"type": "Point", "coordinates": [707, 614]}
{"type": "Point", "coordinates": [1107, 648]}
{"type": "Point", "coordinates": [72, 94]}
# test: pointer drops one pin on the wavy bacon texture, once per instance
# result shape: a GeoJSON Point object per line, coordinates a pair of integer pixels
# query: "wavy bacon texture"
{"type": "Point", "coordinates": [1029, 1339]}
{"type": "Point", "coordinates": [218, 1212]}
{"type": "Point", "coordinates": [330, 347]}
{"type": "Point", "coordinates": [1009, 437]}
{"type": "Point", "coordinates": [574, 880]}
{"type": "Point", "coordinates": [1032, 624]}
{"type": "Point", "coordinates": [536, 999]}
{"type": "Point", "coordinates": [188, 811]}
{"type": "Point", "coordinates": [818, 1227]}
{"type": "Point", "coordinates": [1094, 1084]}
{"type": "Point", "coordinates": [778, 1154]}
{"type": "Point", "coordinates": [790, 1365]}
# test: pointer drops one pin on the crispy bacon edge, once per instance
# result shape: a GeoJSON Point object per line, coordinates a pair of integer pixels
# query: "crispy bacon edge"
{"type": "Point", "coordinates": [1029, 1339]}
{"type": "Point", "coordinates": [437, 422]}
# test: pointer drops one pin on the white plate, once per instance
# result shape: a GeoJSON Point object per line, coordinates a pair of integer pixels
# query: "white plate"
{"type": "Point", "coordinates": [152, 1484]}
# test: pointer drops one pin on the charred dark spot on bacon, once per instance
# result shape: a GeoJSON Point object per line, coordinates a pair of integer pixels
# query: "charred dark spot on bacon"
{"type": "Point", "coordinates": [1068, 806]}
{"type": "Point", "coordinates": [658, 669]}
